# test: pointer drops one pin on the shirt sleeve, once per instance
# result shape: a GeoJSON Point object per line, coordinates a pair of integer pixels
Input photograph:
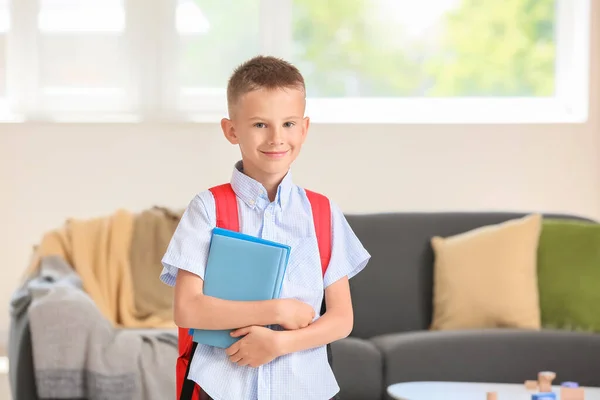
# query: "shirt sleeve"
{"type": "Point", "coordinates": [189, 246]}
{"type": "Point", "coordinates": [348, 256]}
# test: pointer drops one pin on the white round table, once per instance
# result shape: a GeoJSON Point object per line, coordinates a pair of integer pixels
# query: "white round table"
{"type": "Point", "coordinates": [470, 391]}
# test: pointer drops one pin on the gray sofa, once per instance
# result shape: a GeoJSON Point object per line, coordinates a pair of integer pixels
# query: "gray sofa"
{"type": "Point", "coordinates": [392, 301]}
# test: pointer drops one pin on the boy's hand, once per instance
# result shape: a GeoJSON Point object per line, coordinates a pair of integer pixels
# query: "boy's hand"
{"type": "Point", "coordinates": [259, 346]}
{"type": "Point", "coordinates": [294, 314]}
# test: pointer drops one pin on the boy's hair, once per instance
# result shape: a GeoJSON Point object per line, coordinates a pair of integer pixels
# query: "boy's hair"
{"type": "Point", "coordinates": [262, 72]}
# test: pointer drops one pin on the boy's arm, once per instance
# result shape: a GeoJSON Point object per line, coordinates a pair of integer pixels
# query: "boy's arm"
{"type": "Point", "coordinates": [184, 265]}
{"type": "Point", "coordinates": [348, 258]}
{"type": "Point", "coordinates": [335, 324]}
{"type": "Point", "coordinates": [193, 309]}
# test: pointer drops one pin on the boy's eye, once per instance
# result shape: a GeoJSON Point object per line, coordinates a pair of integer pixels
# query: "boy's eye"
{"type": "Point", "coordinates": [288, 124]}
{"type": "Point", "coordinates": [259, 125]}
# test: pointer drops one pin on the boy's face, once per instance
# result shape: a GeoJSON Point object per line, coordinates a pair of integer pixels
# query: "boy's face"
{"type": "Point", "coordinates": [270, 128]}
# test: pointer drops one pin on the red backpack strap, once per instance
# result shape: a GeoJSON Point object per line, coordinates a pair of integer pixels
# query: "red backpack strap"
{"type": "Point", "coordinates": [321, 210]}
{"type": "Point", "coordinates": [227, 218]}
{"type": "Point", "coordinates": [226, 207]}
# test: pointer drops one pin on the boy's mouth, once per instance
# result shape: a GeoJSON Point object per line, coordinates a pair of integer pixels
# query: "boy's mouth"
{"type": "Point", "coordinates": [275, 154]}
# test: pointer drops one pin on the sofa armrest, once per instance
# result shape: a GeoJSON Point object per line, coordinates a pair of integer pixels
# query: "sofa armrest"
{"type": "Point", "coordinates": [494, 355]}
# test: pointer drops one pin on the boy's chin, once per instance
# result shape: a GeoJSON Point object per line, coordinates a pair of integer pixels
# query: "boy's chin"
{"type": "Point", "coordinates": [274, 166]}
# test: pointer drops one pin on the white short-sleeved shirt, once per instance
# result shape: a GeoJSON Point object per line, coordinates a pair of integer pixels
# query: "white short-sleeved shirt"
{"type": "Point", "coordinates": [288, 219]}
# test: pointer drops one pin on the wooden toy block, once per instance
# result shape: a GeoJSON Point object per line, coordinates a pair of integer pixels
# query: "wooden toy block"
{"type": "Point", "coordinates": [544, 387]}
{"type": "Point", "coordinates": [572, 393]}
{"type": "Point", "coordinates": [545, 379]}
{"type": "Point", "coordinates": [547, 375]}
{"type": "Point", "coordinates": [492, 396]}
{"type": "Point", "coordinates": [531, 385]}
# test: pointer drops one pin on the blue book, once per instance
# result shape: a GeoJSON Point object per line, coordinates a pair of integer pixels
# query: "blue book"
{"type": "Point", "coordinates": [241, 267]}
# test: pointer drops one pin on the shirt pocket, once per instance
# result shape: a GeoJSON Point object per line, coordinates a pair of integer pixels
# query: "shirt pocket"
{"type": "Point", "coordinates": [303, 278]}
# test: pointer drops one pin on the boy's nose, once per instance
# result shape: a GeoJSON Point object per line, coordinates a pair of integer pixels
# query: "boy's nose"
{"type": "Point", "coordinates": [276, 136]}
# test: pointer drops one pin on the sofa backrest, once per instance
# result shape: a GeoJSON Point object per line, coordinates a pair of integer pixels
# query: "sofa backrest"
{"type": "Point", "coordinates": [394, 292]}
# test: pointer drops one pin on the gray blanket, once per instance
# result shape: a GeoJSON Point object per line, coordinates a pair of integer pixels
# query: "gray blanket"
{"type": "Point", "coordinates": [77, 354]}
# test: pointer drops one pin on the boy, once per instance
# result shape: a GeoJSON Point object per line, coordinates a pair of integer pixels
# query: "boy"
{"type": "Point", "coordinates": [266, 105]}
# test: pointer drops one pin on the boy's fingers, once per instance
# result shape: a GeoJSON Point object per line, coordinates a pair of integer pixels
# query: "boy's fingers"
{"type": "Point", "coordinates": [241, 332]}
{"type": "Point", "coordinates": [231, 350]}
{"type": "Point", "coordinates": [242, 362]}
{"type": "Point", "coordinates": [235, 358]}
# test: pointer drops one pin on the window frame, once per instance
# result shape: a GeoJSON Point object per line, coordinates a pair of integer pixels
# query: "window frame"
{"type": "Point", "coordinates": [154, 93]}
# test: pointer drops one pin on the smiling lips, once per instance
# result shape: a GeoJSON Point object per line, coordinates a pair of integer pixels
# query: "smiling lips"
{"type": "Point", "coordinates": [274, 154]}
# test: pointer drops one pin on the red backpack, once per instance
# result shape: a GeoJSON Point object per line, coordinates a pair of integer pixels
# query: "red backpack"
{"type": "Point", "coordinates": [227, 218]}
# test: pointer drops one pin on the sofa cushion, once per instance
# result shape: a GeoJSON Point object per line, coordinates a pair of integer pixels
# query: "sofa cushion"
{"type": "Point", "coordinates": [358, 367]}
{"type": "Point", "coordinates": [399, 276]}
{"type": "Point", "coordinates": [569, 275]}
{"type": "Point", "coordinates": [489, 355]}
{"type": "Point", "coordinates": [487, 277]}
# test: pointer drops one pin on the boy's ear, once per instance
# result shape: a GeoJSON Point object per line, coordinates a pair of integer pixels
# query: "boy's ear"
{"type": "Point", "coordinates": [229, 131]}
{"type": "Point", "coordinates": [305, 125]}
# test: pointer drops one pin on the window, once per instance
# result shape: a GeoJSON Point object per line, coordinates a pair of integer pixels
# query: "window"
{"type": "Point", "coordinates": [83, 56]}
{"type": "Point", "coordinates": [375, 61]}
{"type": "Point", "coordinates": [404, 61]}
{"type": "Point", "coordinates": [391, 48]}
{"type": "Point", "coordinates": [212, 40]}
{"type": "Point", "coordinates": [69, 59]}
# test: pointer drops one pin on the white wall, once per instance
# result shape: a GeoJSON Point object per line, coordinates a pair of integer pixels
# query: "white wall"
{"type": "Point", "coordinates": [50, 173]}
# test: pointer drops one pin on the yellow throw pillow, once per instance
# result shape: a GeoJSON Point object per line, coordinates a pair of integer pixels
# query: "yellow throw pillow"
{"type": "Point", "coordinates": [487, 277]}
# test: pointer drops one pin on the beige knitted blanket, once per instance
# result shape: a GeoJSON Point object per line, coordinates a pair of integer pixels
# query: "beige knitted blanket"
{"type": "Point", "coordinates": [118, 260]}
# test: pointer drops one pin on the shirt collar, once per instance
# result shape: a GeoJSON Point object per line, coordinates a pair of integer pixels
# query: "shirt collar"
{"type": "Point", "coordinates": [253, 192]}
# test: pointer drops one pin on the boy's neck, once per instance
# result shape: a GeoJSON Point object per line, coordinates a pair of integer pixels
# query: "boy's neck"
{"type": "Point", "coordinates": [271, 187]}
{"type": "Point", "coordinates": [269, 181]}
